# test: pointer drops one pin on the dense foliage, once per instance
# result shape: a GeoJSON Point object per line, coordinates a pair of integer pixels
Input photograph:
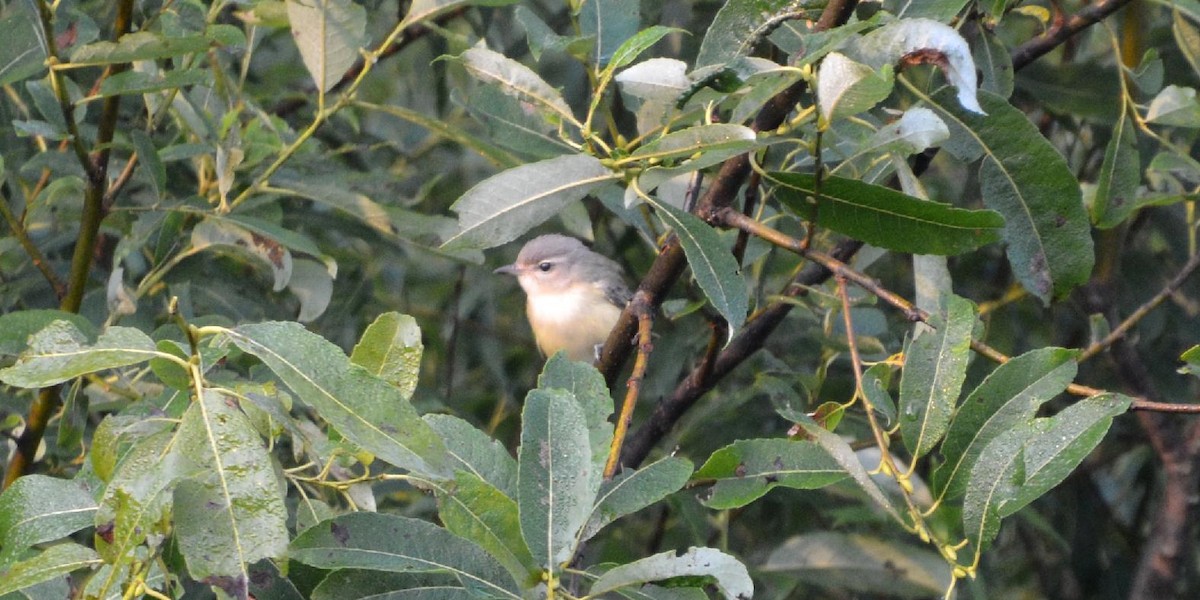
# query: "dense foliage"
{"type": "Point", "coordinates": [913, 313]}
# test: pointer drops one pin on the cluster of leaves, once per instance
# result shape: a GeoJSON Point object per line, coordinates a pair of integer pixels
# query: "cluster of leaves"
{"type": "Point", "coordinates": [225, 447]}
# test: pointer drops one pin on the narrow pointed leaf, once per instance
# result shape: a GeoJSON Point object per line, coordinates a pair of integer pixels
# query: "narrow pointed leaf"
{"type": "Point", "coordinates": [1009, 396]}
{"type": "Point", "coordinates": [390, 349]}
{"type": "Point", "coordinates": [587, 386]}
{"type": "Point", "coordinates": [857, 563]}
{"type": "Point", "coordinates": [367, 410]}
{"type": "Point", "coordinates": [633, 47]}
{"type": "Point", "coordinates": [739, 26]}
{"type": "Point", "coordinates": [887, 218]}
{"type": "Point", "coordinates": [554, 480]}
{"type": "Point", "coordinates": [48, 564]}
{"type": "Point", "coordinates": [477, 511]}
{"type": "Point", "coordinates": [935, 366]}
{"type": "Point", "coordinates": [1058, 444]}
{"type": "Point", "coordinates": [995, 63]}
{"type": "Point", "coordinates": [846, 87]}
{"type": "Point", "coordinates": [36, 509]}
{"type": "Point", "coordinates": [746, 470]}
{"type": "Point", "coordinates": [732, 578]}
{"type": "Point", "coordinates": [632, 491]}
{"type": "Point", "coordinates": [994, 480]}
{"type": "Point", "coordinates": [1028, 182]}
{"type": "Point", "coordinates": [715, 269]}
{"type": "Point", "coordinates": [517, 80]}
{"type": "Point", "coordinates": [611, 23]}
{"type": "Point", "coordinates": [1120, 174]}
{"type": "Point", "coordinates": [471, 450]}
{"type": "Point", "coordinates": [232, 514]}
{"type": "Point", "coordinates": [725, 138]}
{"type": "Point", "coordinates": [844, 455]}
{"type": "Point", "coordinates": [506, 205]}
{"type": "Point", "coordinates": [329, 34]}
{"type": "Point", "coordinates": [60, 352]}
{"type": "Point", "coordinates": [148, 45]}
{"type": "Point", "coordinates": [357, 584]}
{"type": "Point", "coordinates": [383, 542]}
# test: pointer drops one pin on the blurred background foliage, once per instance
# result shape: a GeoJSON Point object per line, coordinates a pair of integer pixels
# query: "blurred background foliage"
{"type": "Point", "coordinates": [371, 192]}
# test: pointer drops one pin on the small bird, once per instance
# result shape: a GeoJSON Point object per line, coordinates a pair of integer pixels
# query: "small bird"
{"type": "Point", "coordinates": [573, 296]}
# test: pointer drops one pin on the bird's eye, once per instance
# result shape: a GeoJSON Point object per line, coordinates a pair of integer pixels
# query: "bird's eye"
{"type": "Point", "coordinates": [545, 266]}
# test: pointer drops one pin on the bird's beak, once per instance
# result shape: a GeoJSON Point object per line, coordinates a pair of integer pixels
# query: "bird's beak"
{"type": "Point", "coordinates": [508, 270]}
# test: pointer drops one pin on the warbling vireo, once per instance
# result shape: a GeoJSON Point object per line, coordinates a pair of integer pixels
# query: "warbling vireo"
{"type": "Point", "coordinates": [573, 295]}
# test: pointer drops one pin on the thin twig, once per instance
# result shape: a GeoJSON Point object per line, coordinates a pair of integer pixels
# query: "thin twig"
{"type": "Point", "coordinates": [35, 254]}
{"type": "Point", "coordinates": [1143, 310]}
{"type": "Point", "coordinates": [735, 219]}
{"type": "Point", "coordinates": [1090, 15]}
{"type": "Point", "coordinates": [634, 386]}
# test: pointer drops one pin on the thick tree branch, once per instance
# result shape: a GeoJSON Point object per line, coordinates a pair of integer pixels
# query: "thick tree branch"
{"type": "Point", "coordinates": [96, 165]}
{"type": "Point", "coordinates": [721, 194]}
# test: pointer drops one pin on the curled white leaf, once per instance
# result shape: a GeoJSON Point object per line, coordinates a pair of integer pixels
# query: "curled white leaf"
{"type": "Point", "coordinates": [846, 87]}
{"type": "Point", "coordinates": [922, 40]}
{"type": "Point", "coordinates": [917, 129]}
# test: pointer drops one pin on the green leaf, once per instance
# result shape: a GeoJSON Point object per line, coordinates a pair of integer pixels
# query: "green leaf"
{"type": "Point", "coordinates": [887, 218]}
{"type": "Point", "coordinates": [587, 386]}
{"type": "Point", "coordinates": [139, 82]}
{"type": "Point", "coordinates": [857, 563]}
{"type": "Point", "coordinates": [845, 457]}
{"type": "Point", "coordinates": [369, 411]}
{"type": "Point", "coordinates": [477, 511]}
{"type": "Point", "coordinates": [846, 88]}
{"type": "Point", "coordinates": [23, 54]}
{"type": "Point", "coordinates": [383, 542]}
{"type": "Point", "coordinates": [17, 327]}
{"type": "Point", "coordinates": [875, 389]}
{"type": "Point", "coordinates": [612, 23]}
{"type": "Point", "coordinates": [995, 63]}
{"type": "Point", "coordinates": [356, 584]}
{"type": "Point", "coordinates": [230, 236]}
{"type": "Point", "coordinates": [511, 124]}
{"type": "Point", "coordinates": [1192, 357]}
{"type": "Point", "coordinates": [59, 352]}
{"type": "Point", "coordinates": [935, 366]}
{"type": "Point", "coordinates": [471, 450]}
{"type": "Point", "coordinates": [739, 26]}
{"type": "Point", "coordinates": [1175, 106]}
{"type": "Point", "coordinates": [152, 164]}
{"type": "Point", "coordinates": [713, 266]}
{"type": "Point", "coordinates": [137, 500]}
{"type": "Point", "coordinates": [504, 206]}
{"type": "Point", "coordinates": [1009, 396]}
{"type": "Point", "coordinates": [517, 80]}
{"type": "Point", "coordinates": [994, 480]}
{"type": "Point", "coordinates": [390, 349]}
{"type": "Point", "coordinates": [939, 10]}
{"type": "Point", "coordinates": [723, 139]}
{"type": "Point", "coordinates": [231, 514]}
{"type": "Point", "coordinates": [1025, 179]}
{"type": "Point", "coordinates": [632, 491]}
{"type": "Point", "coordinates": [148, 45]}
{"type": "Point", "coordinates": [732, 578]}
{"type": "Point", "coordinates": [1120, 174]}
{"type": "Point", "coordinates": [35, 509]}
{"type": "Point", "coordinates": [1187, 39]}
{"type": "Point", "coordinates": [746, 470]}
{"type": "Point", "coordinates": [48, 564]}
{"type": "Point", "coordinates": [1058, 444]}
{"type": "Point", "coordinates": [329, 34]}
{"type": "Point", "coordinates": [554, 489]}
{"type": "Point", "coordinates": [633, 47]}
{"type": "Point", "coordinates": [423, 10]}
